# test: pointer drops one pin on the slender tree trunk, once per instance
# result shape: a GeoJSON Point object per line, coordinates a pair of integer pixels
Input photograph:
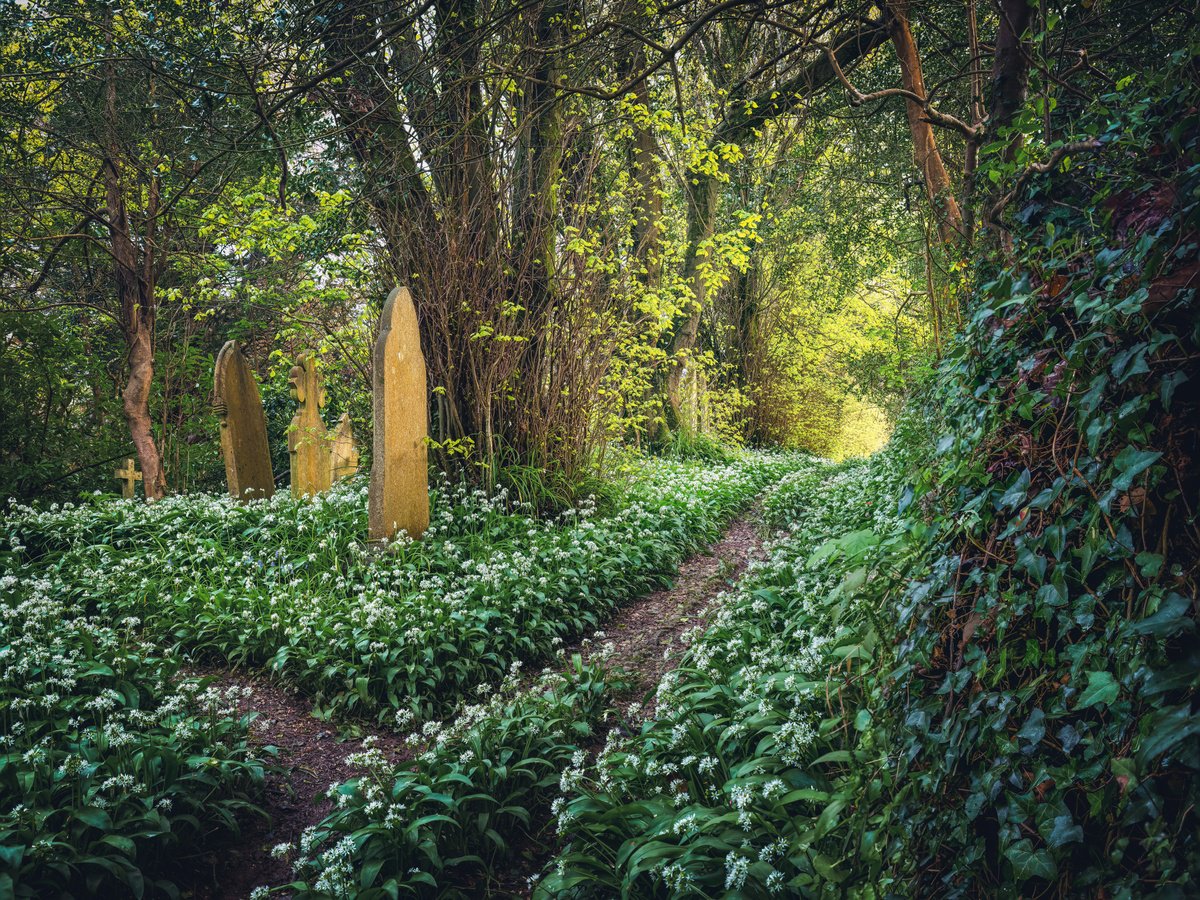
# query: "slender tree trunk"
{"type": "Point", "coordinates": [539, 162]}
{"type": "Point", "coordinates": [1010, 69]}
{"type": "Point", "coordinates": [971, 155]}
{"type": "Point", "coordinates": [925, 149]}
{"type": "Point", "coordinates": [702, 220]}
{"type": "Point", "coordinates": [646, 232]}
{"type": "Point", "coordinates": [647, 205]}
{"type": "Point", "coordinates": [136, 295]}
{"type": "Point", "coordinates": [1010, 80]}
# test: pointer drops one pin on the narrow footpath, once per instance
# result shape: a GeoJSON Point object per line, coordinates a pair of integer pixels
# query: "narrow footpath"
{"type": "Point", "coordinates": [642, 633]}
{"type": "Point", "coordinates": [311, 757]}
{"type": "Point", "coordinates": [311, 753]}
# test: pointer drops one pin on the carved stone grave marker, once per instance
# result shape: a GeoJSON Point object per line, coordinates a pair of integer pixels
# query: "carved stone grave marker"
{"type": "Point", "coordinates": [238, 404]}
{"type": "Point", "coordinates": [307, 446]}
{"type": "Point", "coordinates": [399, 495]}
{"type": "Point", "coordinates": [343, 454]}
{"type": "Point", "coordinates": [129, 476]}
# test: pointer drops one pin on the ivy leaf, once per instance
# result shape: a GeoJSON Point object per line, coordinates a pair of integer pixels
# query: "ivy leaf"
{"type": "Point", "coordinates": [1030, 863]}
{"type": "Point", "coordinates": [1171, 617]}
{"type": "Point", "coordinates": [1130, 463]}
{"type": "Point", "coordinates": [1150, 563]}
{"type": "Point", "coordinates": [1016, 493]}
{"type": "Point", "coordinates": [1034, 728]}
{"type": "Point", "coordinates": [1069, 738]}
{"type": "Point", "coordinates": [1101, 688]}
{"type": "Point", "coordinates": [1065, 831]}
{"type": "Point", "coordinates": [1166, 728]}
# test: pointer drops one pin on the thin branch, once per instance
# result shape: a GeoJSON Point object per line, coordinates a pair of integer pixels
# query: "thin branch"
{"type": "Point", "coordinates": [932, 115]}
{"type": "Point", "coordinates": [1090, 145]}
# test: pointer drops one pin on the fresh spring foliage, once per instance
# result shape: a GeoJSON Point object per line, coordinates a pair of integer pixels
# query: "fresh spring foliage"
{"type": "Point", "coordinates": [727, 787]}
{"type": "Point", "coordinates": [982, 684]}
{"type": "Point", "coordinates": [111, 764]}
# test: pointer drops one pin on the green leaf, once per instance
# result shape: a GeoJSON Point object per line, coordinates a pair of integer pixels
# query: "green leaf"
{"type": "Point", "coordinates": [10, 855]}
{"type": "Point", "coordinates": [1030, 863]}
{"type": "Point", "coordinates": [1164, 729]}
{"type": "Point", "coordinates": [1172, 617]}
{"type": "Point", "coordinates": [120, 842]}
{"type": "Point", "coordinates": [91, 815]}
{"type": "Point", "coordinates": [1065, 831]}
{"type": "Point", "coordinates": [1101, 688]}
{"type": "Point", "coordinates": [1130, 463]}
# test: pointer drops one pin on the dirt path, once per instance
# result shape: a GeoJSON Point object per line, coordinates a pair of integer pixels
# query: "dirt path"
{"type": "Point", "coordinates": [312, 757]}
{"type": "Point", "coordinates": [640, 633]}
{"type": "Point", "coordinates": [643, 630]}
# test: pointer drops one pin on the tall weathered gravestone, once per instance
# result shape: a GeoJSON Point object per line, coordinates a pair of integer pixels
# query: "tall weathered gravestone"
{"type": "Point", "coordinates": [399, 497]}
{"type": "Point", "coordinates": [243, 426]}
{"type": "Point", "coordinates": [343, 454]}
{"type": "Point", "coordinates": [307, 446]}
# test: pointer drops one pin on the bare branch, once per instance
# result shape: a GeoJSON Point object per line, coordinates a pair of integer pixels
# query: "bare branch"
{"type": "Point", "coordinates": [932, 115]}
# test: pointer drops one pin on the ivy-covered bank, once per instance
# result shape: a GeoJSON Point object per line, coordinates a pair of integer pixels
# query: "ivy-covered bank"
{"type": "Point", "coordinates": [1038, 708]}
{"type": "Point", "coordinates": [980, 678]}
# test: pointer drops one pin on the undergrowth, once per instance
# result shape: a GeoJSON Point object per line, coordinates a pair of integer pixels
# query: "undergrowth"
{"type": "Point", "coordinates": [111, 766]}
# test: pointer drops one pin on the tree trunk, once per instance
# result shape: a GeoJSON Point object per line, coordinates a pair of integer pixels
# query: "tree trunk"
{"type": "Point", "coordinates": [702, 221]}
{"type": "Point", "coordinates": [971, 155]}
{"type": "Point", "coordinates": [136, 401]}
{"type": "Point", "coordinates": [925, 149]}
{"type": "Point", "coordinates": [647, 204]}
{"type": "Point", "coordinates": [1010, 69]}
{"type": "Point", "coordinates": [136, 295]}
{"type": "Point", "coordinates": [1010, 78]}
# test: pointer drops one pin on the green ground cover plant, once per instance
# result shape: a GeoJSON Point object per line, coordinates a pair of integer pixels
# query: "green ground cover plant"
{"type": "Point", "coordinates": [245, 584]}
{"type": "Point", "coordinates": [443, 823]}
{"type": "Point", "coordinates": [111, 765]}
{"type": "Point", "coordinates": [726, 789]}
{"type": "Point", "coordinates": [972, 672]}
{"type": "Point", "coordinates": [292, 586]}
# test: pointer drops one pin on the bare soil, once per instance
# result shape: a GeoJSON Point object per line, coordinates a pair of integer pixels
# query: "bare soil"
{"type": "Point", "coordinates": [644, 630]}
{"type": "Point", "coordinates": [641, 633]}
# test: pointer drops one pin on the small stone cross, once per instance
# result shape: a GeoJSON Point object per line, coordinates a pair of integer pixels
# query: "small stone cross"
{"type": "Point", "coordinates": [128, 476]}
